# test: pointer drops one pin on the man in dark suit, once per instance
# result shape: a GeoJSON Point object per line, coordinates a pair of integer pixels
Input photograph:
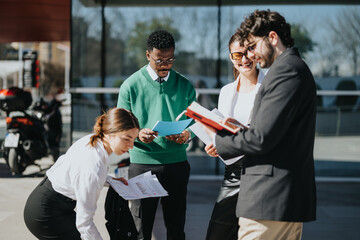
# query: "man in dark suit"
{"type": "Point", "coordinates": [277, 191]}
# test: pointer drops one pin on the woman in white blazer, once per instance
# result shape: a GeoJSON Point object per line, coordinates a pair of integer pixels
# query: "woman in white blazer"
{"type": "Point", "coordinates": [236, 100]}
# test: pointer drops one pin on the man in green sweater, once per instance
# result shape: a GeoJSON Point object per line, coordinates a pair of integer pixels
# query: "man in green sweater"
{"type": "Point", "coordinates": [156, 92]}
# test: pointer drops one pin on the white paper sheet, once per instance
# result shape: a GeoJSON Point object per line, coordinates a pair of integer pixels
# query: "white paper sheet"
{"type": "Point", "coordinates": [199, 131]}
{"type": "Point", "coordinates": [142, 186]}
{"type": "Point", "coordinates": [203, 136]}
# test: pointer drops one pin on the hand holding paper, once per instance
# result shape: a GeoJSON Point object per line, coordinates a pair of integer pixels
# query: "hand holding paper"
{"type": "Point", "coordinates": [211, 150]}
{"type": "Point", "coordinates": [232, 121]}
{"type": "Point", "coordinates": [205, 132]}
{"type": "Point", "coordinates": [121, 179]}
{"type": "Point", "coordinates": [179, 138]}
{"type": "Point", "coordinates": [142, 186]}
{"type": "Point", "coordinates": [147, 135]}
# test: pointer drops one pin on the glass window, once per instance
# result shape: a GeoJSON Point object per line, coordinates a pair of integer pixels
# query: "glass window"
{"type": "Point", "coordinates": [326, 35]}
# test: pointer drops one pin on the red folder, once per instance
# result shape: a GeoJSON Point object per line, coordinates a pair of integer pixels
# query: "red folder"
{"type": "Point", "coordinates": [198, 112]}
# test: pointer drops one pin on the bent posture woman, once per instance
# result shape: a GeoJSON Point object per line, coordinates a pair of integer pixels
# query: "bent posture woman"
{"type": "Point", "coordinates": [76, 180]}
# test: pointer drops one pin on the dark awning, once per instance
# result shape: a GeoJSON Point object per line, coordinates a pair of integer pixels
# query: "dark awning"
{"type": "Point", "coordinates": [35, 20]}
{"type": "Point", "coordinates": [49, 20]}
{"type": "Point", "coordinates": [134, 3]}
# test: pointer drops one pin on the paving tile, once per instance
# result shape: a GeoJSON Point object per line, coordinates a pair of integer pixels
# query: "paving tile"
{"type": "Point", "coordinates": [338, 212]}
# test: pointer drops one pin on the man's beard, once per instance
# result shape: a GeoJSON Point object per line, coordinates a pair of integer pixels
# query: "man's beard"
{"type": "Point", "coordinates": [268, 56]}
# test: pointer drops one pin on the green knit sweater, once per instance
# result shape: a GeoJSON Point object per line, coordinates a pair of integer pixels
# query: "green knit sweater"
{"type": "Point", "coordinates": [150, 102]}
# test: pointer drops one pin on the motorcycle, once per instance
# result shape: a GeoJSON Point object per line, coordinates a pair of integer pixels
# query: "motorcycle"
{"type": "Point", "coordinates": [33, 132]}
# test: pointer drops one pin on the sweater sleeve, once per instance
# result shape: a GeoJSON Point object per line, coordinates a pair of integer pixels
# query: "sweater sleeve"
{"type": "Point", "coordinates": [191, 94]}
{"type": "Point", "coordinates": [191, 98]}
{"type": "Point", "coordinates": [124, 97]}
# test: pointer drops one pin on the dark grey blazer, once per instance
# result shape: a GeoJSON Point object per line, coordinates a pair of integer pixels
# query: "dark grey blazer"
{"type": "Point", "coordinates": [278, 182]}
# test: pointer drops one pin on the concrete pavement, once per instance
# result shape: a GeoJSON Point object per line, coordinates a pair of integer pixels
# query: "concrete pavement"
{"type": "Point", "coordinates": [338, 206]}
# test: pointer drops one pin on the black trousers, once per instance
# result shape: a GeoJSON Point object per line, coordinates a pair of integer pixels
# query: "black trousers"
{"type": "Point", "coordinates": [50, 215]}
{"type": "Point", "coordinates": [224, 223]}
{"type": "Point", "coordinates": [174, 178]}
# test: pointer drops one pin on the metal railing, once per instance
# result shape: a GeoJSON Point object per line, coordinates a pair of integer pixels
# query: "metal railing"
{"type": "Point", "coordinates": [211, 91]}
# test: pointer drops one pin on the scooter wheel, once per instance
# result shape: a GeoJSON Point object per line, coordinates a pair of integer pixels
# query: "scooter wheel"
{"type": "Point", "coordinates": [15, 162]}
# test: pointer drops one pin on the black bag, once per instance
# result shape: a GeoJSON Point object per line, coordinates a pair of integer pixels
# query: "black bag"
{"type": "Point", "coordinates": [120, 223]}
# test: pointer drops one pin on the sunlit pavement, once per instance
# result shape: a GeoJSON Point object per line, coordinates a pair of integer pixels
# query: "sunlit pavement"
{"type": "Point", "coordinates": [338, 205]}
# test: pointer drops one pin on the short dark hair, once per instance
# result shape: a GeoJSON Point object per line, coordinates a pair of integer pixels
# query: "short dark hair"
{"type": "Point", "coordinates": [261, 22]}
{"type": "Point", "coordinates": [160, 39]}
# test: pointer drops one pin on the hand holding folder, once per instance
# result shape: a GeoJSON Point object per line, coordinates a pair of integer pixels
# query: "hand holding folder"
{"type": "Point", "coordinates": [170, 128]}
{"type": "Point", "coordinates": [213, 118]}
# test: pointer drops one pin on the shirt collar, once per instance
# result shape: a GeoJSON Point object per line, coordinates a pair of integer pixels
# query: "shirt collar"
{"type": "Point", "coordinates": [153, 74]}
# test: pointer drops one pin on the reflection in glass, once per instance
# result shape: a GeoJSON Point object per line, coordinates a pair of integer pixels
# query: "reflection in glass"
{"type": "Point", "coordinates": [324, 34]}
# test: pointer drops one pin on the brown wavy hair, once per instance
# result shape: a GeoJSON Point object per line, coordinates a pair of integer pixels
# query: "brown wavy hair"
{"type": "Point", "coordinates": [261, 22]}
{"type": "Point", "coordinates": [112, 121]}
{"type": "Point", "coordinates": [236, 37]}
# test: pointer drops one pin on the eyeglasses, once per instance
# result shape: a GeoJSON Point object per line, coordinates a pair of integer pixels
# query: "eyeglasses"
{"type": "Point", "coordinates": [251, 48]}
{"type": "Point", "coordinates": [238, 55]}
{"type": "Point", "coordinates": [160, 62]}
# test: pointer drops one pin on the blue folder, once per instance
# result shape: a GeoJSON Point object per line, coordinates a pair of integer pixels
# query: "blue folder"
{"type": "Point", "coordinates": [165, 128]}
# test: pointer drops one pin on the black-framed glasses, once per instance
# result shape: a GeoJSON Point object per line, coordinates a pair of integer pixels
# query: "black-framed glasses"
{"type": "Point", "coordinates": [160, 62]}
{"type": "Point", "coordinates": [251, 48]}
{"type": "Point", "coordinates": [238, 55]}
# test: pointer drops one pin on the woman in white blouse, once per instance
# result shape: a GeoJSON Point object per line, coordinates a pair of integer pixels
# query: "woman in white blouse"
{"type": "Point", "coordinates": [236, 100]}
{"type": "Point", "coordinates": [77, 178]}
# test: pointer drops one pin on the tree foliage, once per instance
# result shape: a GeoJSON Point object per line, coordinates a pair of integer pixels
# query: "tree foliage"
{"type": "Point", "coordinates": [302, 39]}
{"type": "Point", "coordinates": [136, 46]}
{"type": "Point", "coordinates": [345, 32]}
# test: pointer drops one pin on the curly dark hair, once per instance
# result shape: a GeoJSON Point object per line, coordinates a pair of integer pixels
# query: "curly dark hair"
{"type": "Point", "coordinates": [160, 39]}
{"type": "Point", "coordinates": [261, 22]}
